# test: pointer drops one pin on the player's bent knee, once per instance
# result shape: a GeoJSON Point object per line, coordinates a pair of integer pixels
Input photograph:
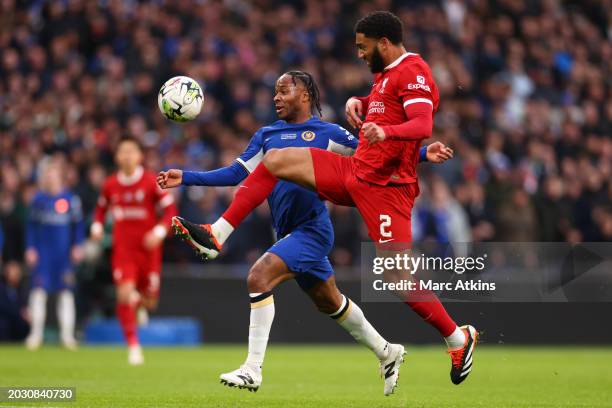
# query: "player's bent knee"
{"type": "Point", "coordinates": [274, 160]}
{"type": "Point", "coordinates": [257, 281]}
{"type": "Point", "coordinates": [124, 293]}
{"type": "Point", "coordinates": [282, 162]}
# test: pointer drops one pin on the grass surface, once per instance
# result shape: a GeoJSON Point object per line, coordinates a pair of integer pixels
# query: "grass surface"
{"type": "Point", "coordinates": [315, 376]}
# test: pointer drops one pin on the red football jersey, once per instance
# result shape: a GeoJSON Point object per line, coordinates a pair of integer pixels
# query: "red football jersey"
{"type": "Point", "coordinates": [134, 203]}
{"type": "Point", "coordinates": [406, 81]}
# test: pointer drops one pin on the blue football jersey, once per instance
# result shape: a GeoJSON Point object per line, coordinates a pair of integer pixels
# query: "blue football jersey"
{"type": "Point", "coordinates": [290, 204]}
{"type": "Point", "coordinates": [55, 224]}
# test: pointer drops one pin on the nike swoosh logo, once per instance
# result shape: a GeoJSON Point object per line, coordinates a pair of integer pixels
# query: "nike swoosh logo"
{"type": "Point", "coordinates": [382, 241]}
{"type": "Point", "coordinates": [243, 186]}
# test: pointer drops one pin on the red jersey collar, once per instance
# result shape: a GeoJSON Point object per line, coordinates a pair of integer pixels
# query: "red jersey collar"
{"type": "Point", "coordinates": [126, 180]}
{"type": "Point", "coordinates": [398, 60]}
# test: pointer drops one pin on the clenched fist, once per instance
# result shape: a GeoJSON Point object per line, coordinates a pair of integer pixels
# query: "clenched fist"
{"type": "Point", "coordinates": [169, 179]}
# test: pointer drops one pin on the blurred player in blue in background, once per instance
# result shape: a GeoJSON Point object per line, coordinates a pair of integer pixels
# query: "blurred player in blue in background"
{"type": "Point", "coordinates": [54, 236]}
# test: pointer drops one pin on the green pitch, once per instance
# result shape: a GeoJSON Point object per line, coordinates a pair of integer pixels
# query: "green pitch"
{"type": "Point", "coordinates": [316, 376]}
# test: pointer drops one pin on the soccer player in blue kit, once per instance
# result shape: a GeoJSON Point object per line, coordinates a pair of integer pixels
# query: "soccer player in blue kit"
{"type": "Point", "coordinates": [302, 223]}
{"type": "Point", "coordinates": [54, 235]}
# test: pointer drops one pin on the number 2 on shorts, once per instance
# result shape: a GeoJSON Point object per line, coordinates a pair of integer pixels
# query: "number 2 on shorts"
{"type": "Point", "coordinates": [385, 221]}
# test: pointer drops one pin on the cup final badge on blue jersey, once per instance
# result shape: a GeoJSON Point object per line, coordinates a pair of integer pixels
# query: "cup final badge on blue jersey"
{"type": "Point", "coordinates": [308, 135]}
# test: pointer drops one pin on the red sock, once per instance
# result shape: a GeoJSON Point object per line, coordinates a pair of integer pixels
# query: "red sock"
{"type": "Point", "coordinates": [126, 313]}
{"type": "Point", "coordinates": [433, 312]}
{"type": "Point", "coordinates": [255, 189]}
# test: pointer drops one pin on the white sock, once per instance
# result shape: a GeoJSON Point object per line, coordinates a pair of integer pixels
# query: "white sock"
{"type": "Point", "coordinates": [37, 305]}
{"type": "Point", "coordinates": [262, 316]}
{"type": "Point", "coordinates": [352, 319]}
{"type": "Point", "coordinates": [66, 314]}
{"type": "Point", "coordinates": [456, 339]}
{"type": "Point", "coordinates": [222, 229]}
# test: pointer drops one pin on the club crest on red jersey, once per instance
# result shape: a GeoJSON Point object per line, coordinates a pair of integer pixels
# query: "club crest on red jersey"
{"type": "Point", "coordinates": [382, 86]}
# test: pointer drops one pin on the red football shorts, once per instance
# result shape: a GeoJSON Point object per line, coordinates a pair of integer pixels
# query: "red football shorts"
{"type": "Point", "coordinates": [139, 267]}
{"type": "Point", "coordinates": [386, 210]}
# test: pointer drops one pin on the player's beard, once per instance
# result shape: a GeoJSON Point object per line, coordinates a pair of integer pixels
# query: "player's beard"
{"type": "Point", "coordinates": [376, 63]}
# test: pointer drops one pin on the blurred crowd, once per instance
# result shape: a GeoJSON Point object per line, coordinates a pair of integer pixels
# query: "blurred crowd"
{"type": "Point", "coordinates": [526, 103]}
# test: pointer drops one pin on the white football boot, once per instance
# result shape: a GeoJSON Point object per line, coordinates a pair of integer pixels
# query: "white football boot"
{"type": "Point", "coordinates": [69, 343]}
{"type": "Point", "coordinates": [243, 377]}
{"type": "Point", "coordinates": [389, 367]}
{"type": "Point", "coordinates": [33, 342]}
{"type": "Point", "coordinates": [135, 355]}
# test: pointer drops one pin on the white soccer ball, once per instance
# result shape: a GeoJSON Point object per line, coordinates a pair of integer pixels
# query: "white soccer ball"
{"type": "Point", "coordinates": [180, 99]}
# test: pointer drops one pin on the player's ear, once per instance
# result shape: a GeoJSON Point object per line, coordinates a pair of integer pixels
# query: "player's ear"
{"type": "Point", "coordinates": [383, 44]}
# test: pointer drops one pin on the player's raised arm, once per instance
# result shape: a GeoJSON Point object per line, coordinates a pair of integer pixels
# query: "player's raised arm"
{"type": "Point", "coordinates": [225, 176]}
{"type": "Point", "coordinates": [231, 175]}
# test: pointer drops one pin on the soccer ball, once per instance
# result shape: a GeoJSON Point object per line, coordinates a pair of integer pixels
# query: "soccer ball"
{"type": "Point", "coordinates": [180, 99]}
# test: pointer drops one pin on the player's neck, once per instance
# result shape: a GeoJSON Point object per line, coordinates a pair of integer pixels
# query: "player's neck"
{"type": "Point", "coordinates": [394, 54]}
{"type": "Point", "coordinates": [128, 172]}
{"type": "Point", "coordinates": [299, 118]}
{"type": "Point", "coordinates": [54, 191]}
{"type": "Point", "coordinates": [130, 176]}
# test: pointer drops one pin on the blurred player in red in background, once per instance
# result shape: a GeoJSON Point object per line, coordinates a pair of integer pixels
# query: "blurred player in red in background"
{"type": "Point", "coordinates": [135, 202]}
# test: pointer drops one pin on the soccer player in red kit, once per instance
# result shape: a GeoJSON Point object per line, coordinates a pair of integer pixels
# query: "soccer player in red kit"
{"type": "Point", "coordinates": [380, 179]}
{"type": "Point", "coordinates": [134, 200]}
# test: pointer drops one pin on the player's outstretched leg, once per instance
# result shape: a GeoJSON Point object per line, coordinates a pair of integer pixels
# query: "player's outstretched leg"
{"type": "Point", "coordinates": [198, 236]}
{"type": "Point", "coordinates": [292, 164]}
{"type": "Point", "coordinates": [266, 273]}
{"type": "Point", "coordinates": [350, 317]}
{"type": "Point", "coordinates": [459, 340]}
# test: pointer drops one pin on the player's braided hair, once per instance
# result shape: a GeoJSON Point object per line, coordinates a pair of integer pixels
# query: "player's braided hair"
{"type": "Point", "coordinates": [311, 87]}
